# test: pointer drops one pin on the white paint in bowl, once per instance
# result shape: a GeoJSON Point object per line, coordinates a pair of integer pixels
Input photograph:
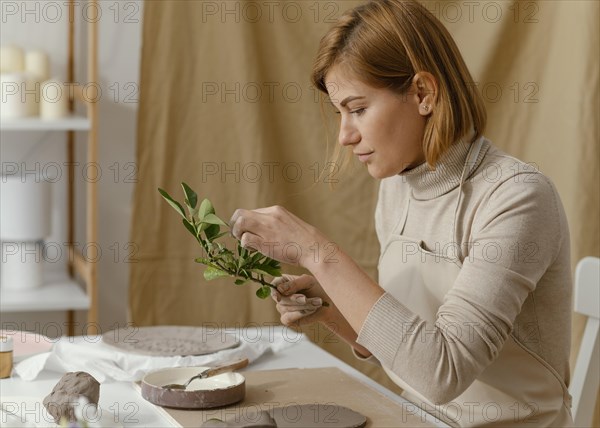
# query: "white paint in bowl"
{"type": "Point", "coordinates": [181, 375]}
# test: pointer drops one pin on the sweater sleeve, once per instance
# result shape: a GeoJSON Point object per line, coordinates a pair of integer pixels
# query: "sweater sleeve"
{"type": "Point", "coordinates": [515, 237]}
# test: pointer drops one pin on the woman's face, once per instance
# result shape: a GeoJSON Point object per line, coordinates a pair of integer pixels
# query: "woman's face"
{"type": "Point", "coordinates": [382, 128]}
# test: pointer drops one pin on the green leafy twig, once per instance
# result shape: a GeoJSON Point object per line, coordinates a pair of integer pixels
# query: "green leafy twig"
{"type": "Point", "coordinates": [244, 265]}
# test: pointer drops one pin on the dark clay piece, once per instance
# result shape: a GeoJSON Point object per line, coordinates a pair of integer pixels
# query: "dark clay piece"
{"type": "Point", "coordinates": [66, 393]}
{"type": "Point", "coordinates": [261, 420]}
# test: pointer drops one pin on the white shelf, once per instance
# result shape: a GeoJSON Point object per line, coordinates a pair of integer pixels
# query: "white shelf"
{"type": "Point", "coordinates": [59, 293]}
{"type": "Point", "coordinates": [69, 123]}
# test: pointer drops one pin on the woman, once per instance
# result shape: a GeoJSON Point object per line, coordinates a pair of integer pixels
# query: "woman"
{"type": "Point", "coordinates": [471, 315]}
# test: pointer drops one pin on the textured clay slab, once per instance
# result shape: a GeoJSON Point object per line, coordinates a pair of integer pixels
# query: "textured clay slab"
{"type": "Point", "coordinates": [294, 416]}
{"type": "Point", "coordinates": [169, 341]}
{"type": "Point", "coordinates": [317, 415]}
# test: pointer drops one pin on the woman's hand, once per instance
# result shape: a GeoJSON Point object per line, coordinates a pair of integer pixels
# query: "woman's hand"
{"type": "Point", "coordinates": [299, 300]}
{"type": "Point", "coordinates": [279, 234]}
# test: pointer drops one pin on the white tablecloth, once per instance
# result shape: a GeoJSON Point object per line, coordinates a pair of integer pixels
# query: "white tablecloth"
{"type": "Point", "coordinates": [107, 363]}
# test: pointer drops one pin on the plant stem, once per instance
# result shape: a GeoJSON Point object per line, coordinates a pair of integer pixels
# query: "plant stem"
{"type": "Point", "coordinates": [263, 282]}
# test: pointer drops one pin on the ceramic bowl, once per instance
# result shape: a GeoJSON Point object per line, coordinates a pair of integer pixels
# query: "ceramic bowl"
{"type": "Point", "coordinates": [215, 391]}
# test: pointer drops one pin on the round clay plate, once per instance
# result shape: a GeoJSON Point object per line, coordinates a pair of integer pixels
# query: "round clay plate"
{"type": "Point", "coordinates": [169, 341]}
{"type": "Point", "coordinates": [215, 391]}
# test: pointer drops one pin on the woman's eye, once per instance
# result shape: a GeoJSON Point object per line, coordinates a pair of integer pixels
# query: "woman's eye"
{"type": "Point", "coordinates": [358, 111]}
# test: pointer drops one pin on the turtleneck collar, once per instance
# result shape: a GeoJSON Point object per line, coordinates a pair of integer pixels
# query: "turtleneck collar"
{"type": "Point", "coordinates": [427, 183]}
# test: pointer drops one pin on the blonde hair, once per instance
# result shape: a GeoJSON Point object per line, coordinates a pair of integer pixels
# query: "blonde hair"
{"type": "Point", "coordinates": [385, 43]}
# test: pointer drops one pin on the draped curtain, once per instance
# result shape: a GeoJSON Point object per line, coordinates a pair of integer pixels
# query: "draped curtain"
{"type": "Point", "coordinates": [226, 106]}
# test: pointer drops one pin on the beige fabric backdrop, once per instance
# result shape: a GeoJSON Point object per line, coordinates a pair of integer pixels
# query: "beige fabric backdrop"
{"type": "Point", "coordinates": [226, 106]}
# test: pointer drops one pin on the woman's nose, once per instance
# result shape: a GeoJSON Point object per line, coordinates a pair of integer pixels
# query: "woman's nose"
{"type": "Point", "coordinates": [348, 135]}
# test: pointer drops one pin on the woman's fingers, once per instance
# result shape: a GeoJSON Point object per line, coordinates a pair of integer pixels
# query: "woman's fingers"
{"type": "Point", "coordinates": [296, 309]}
{"type": "Point", "coordinates": [298, 302]}
{"type": "Point", "coordinates": [303, 282]}
{"type": "Point", "coordinates": [244, 221]}
{"type": "Point", "coordinates": [278, 234]}
{"type": "Point", "coordinates": [250, 240]}
{"type": "Point", "coordinates": [283, 278]}
{"type": "Point", "coordinates": [275, 295]}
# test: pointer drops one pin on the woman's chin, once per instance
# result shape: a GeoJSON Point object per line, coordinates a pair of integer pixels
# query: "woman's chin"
{"type": "Point", "coordinates": [377, 172]}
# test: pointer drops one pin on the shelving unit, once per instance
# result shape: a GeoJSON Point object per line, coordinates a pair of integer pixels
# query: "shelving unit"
{"type": "Point", "coordinates": [59, 293]}
{"type": "Point", "coordinates": [71, 123]}
{"type": "Point", "coordinates": [61, 290]}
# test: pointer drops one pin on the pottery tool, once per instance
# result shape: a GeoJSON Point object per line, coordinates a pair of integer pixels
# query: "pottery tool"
{"type": "Point", "coordinates": [228, 367]}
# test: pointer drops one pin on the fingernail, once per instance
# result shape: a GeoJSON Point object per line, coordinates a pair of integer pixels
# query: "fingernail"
{"type": "Point", "coordinates": [284, 287]}
{"type": "Point", "coordinates": [317, 301]}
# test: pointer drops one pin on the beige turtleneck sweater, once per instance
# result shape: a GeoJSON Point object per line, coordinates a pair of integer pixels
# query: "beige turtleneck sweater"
{"type": "Point", "coordinates": [515, 277]}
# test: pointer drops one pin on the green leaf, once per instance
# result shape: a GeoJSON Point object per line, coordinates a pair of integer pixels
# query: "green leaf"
{"type": "Point", "coordinates": [264, 272]}
{"type": "Point", "coordinates": [205, 208]}
{"type": "Point", "coordinates": [189, 226]}
{"type": "Point", "coordinates": [240, 281]}
{"type": "Point", "coordinates": [190, 196]}
{"type": "Point", "coordinates": [213, 219]}
{"type": "Point", "coordinates": [274, 263]}
{"type": "Point", "coordinates": [241, 250]}
{"type": "Point", "coordinates": [220, 234]}
{"type": "Point", "coordinates": [211, 273]}
{"type": "Point", "coordinates": [206, 262]}
{"type": "Point", "coordinates": [255, 258]}
{"type": "Point", "coordinates": [229, 261]}
{"type": "Point", "coordinates": [263, 292]}
{"type": "Point", "coordinates": [176, 205]}
{"type": "Point", "coordinates": [269, 270]}
{"type": "Point", "coordinates": [212, 232]}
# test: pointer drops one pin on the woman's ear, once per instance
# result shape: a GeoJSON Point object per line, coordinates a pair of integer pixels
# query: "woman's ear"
{"type": "Point", "coordinates": [427, 89]}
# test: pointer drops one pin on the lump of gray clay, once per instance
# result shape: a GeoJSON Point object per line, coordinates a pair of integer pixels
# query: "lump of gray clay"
{"type": "Point", "coordinates": [67, 392]}
{"type": "Point", "coordinates": [253, 420]}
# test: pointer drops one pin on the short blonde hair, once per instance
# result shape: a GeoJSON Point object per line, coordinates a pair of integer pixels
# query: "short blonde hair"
{"type": "Point", "coordinates": [385, 43]}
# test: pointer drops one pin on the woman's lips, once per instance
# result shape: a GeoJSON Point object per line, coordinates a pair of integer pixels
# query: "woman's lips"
{"type": "Point", "coordinates": [363, 157]}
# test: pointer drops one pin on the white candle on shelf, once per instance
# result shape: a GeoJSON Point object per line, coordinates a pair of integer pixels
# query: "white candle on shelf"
{"type": "Point", "coordinates": [18, 95]}
{"type": "Point", "coordinates": [12, 59]}
{"type": "Point", "coordinates": [54, 100]}
{"type": "Point", "coordinates": [37, 64]}
{"type": "Point", "coordinates": [22, 265]}
{"type": "Point", "coordinates": [25, 213]}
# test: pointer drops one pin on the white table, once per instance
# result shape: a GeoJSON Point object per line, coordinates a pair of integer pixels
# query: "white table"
{"type": "Point", "coordinates": [129, 409]}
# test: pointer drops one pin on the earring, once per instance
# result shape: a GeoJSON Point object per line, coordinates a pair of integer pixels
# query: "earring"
{"type": "Point", "coordinates": [426, 107]}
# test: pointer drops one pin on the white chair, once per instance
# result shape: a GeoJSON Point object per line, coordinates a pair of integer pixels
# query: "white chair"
{"type": "Point", "coordinates": [586, 376]}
